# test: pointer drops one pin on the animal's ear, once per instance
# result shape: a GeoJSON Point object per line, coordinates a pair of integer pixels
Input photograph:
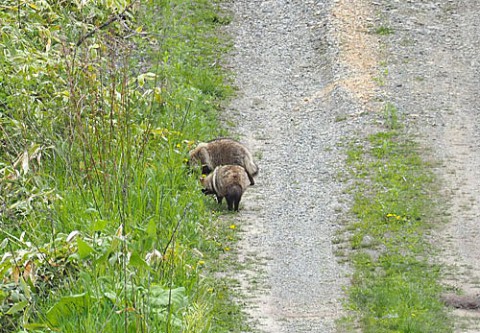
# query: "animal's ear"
{"type": "Point", "coordinates": [203, 156]}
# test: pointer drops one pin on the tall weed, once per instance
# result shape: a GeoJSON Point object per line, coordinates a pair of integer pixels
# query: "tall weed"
{"type": "Point", "coordinates": [105, 227]}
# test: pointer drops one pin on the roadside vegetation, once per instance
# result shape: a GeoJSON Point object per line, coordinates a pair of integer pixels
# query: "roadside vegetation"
{"type": "Point", "coordinates": [103, 228]}
{"type": "Point", "coordinates": [395, 285]}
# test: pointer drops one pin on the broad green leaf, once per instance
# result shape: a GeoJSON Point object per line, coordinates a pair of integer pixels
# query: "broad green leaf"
{"type": "Point", "coordinates": [17, 307]}
{"type": "Point", "coordinates": [161, 297]}
{"type": "Point", "coordinates": [152, 229]}
{"type": "Point", "coordinates": [34, 326]}
{"type": "Point", "coordinates": [111, 296]}
{"type": "Point", "coordinates": [99, 225]}
{"type": "Point", "coordinates": [3, 296]}
{"type": "Point", "coordinates": [67, 306]}
{"type": "Point", "coordinates": [137, 261]}
{"type": "Point", "coordinates": [84, 249]}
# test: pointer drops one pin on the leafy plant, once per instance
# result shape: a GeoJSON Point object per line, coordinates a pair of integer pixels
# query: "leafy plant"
{"type": "Point", "coordinates": [105, 226]}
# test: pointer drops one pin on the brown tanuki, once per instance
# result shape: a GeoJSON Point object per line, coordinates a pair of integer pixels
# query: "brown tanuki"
{"type": "Point", "coordinates": [223, 151]}
{"type": "Point", "coordinates": [229, 182]}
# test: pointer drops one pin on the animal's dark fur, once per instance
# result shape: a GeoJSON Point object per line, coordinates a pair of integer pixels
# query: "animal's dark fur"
{"type": "Point", "coordinates": [229, 182]}
{"type": "Point", "coordinates": [223, 151]}
{"type": "Point", "coordinates": [233, 196]}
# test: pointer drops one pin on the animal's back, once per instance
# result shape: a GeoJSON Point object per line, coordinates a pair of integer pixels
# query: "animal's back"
{"type": "Point", "coordinates": [228, 176]}
{"type": "Point", "coordinates": [231, 183]}
{"type": "Point", "coordinates": [226, 151]}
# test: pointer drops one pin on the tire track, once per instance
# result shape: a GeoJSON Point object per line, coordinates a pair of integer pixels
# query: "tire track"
{"type": "Point", "coordinates": [285, 57]}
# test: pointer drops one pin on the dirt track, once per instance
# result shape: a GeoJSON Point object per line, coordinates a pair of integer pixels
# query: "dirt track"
{"type": "Point", "coordinates": [308, 76]}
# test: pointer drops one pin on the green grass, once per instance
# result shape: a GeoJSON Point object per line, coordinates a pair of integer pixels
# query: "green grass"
{"type": "Point", "coordinates": [384, 31]}
{"type": "Point", "coordinates": [105, 228]}
{"type": "Point", "coordinates": [395, 287]}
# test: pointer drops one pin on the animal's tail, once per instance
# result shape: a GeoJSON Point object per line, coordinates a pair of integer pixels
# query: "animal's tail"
{"type": "Point", "coordinates": [234, 194]}
{"type": "Point", "coordinates": [250, 166]}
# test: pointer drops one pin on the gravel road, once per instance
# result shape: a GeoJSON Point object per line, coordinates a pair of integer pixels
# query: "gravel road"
{"type": "Point", "coordinates": [308, 78]}
{"type": "Point", "coordinates": [283, 60]}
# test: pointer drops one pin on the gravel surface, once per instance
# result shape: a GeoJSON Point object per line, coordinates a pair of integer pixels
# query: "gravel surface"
{"type": "Point", "coordinates": [312, 74]}
{"type": "Point", "coordinates": [283, 59]}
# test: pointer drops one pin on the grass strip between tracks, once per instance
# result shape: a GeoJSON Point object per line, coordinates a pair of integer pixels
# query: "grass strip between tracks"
{"type": "Point", "coordinates": [394, 285]}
